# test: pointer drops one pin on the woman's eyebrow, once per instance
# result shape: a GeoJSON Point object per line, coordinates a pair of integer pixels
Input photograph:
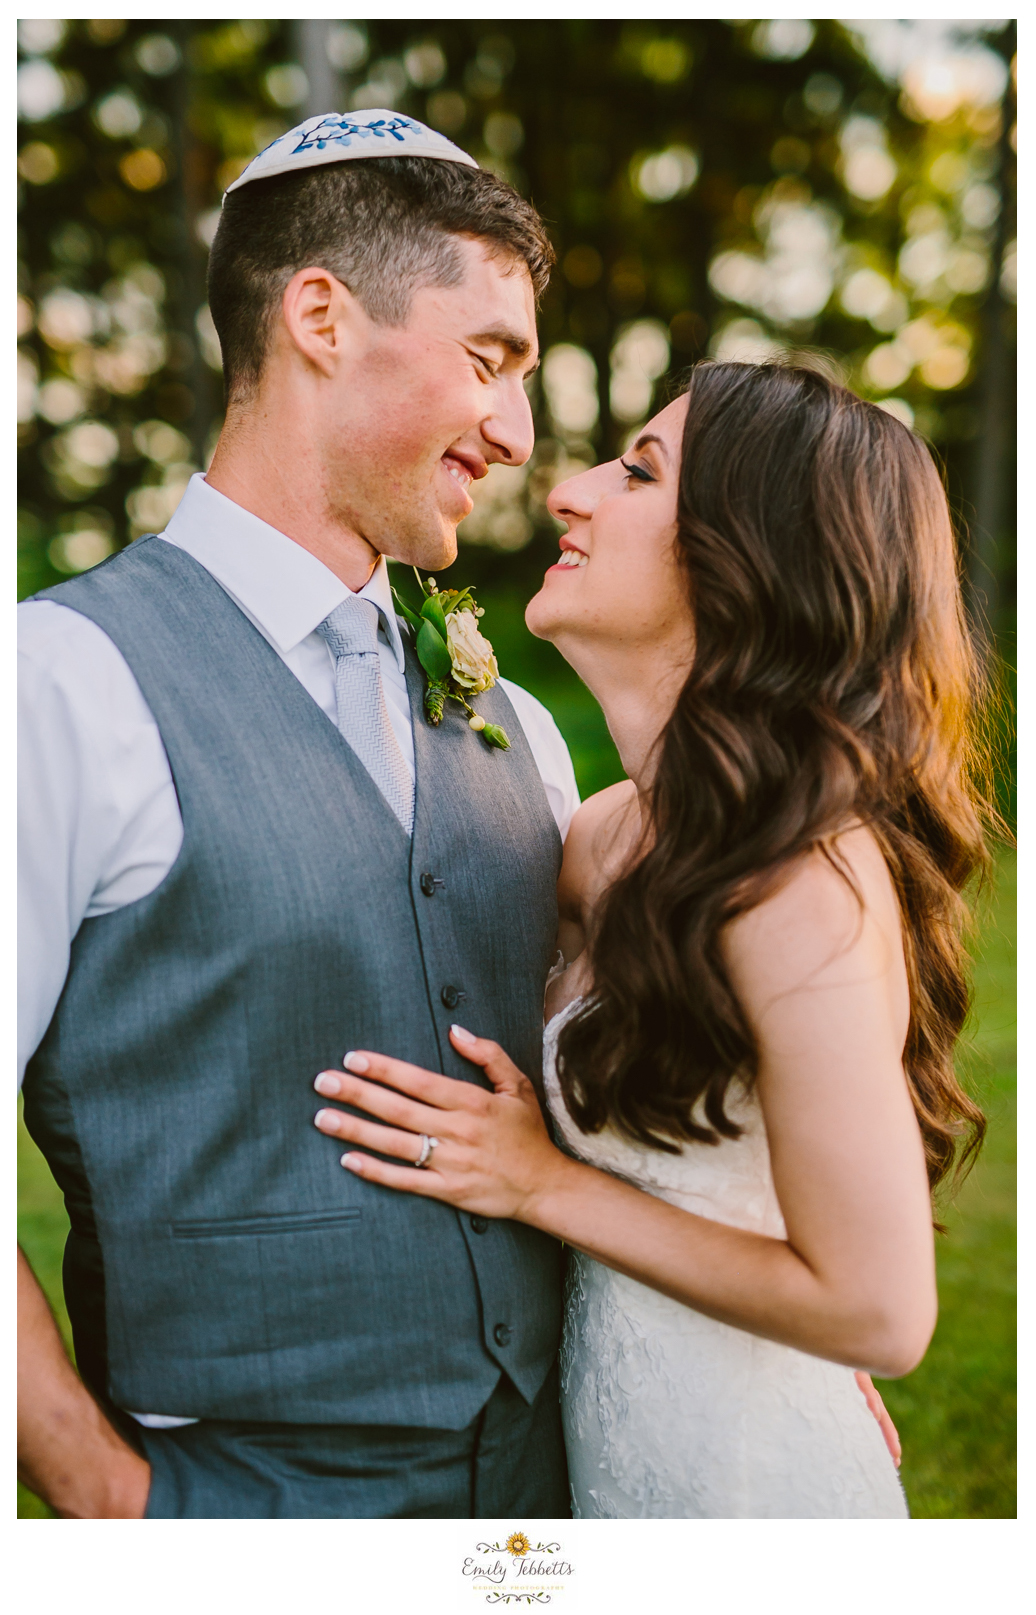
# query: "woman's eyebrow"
{"type": "Point", "coordinates": [651, 437]}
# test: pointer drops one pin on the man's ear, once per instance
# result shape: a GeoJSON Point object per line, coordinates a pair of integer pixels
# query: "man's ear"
{"type": "Point", "coordinates": [320, 316]}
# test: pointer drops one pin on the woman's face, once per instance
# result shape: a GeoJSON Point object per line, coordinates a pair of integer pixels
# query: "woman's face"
{"type": "Point", "coordinates": [618, 585]}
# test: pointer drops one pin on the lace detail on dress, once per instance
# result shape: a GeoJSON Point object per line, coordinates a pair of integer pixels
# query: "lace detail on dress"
{"type": "Point", "coordinates": [671, 1415]}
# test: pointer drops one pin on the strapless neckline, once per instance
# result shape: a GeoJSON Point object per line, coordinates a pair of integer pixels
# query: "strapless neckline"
{"type": "Point", "coordinates": [573, 1003]}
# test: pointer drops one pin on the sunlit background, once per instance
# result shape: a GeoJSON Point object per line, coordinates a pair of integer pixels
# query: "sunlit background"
{"type": "Point", "coordinates": [711, 187]}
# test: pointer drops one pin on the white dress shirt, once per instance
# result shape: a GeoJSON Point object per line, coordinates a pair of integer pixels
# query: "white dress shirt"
{"type": "Point", "coordinates": [99, 823]}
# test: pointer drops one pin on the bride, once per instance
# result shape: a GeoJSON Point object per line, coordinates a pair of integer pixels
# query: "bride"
{"type": "Point", "coordinates": [748, 1060]}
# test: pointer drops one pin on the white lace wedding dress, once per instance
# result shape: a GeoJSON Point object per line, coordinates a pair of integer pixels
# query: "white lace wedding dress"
{"type": "Point", "coordinates": [671, 1415]}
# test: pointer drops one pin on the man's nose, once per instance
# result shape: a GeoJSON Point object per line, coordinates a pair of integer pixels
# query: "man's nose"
{"type": "Point", "coordinates": [509, 430]}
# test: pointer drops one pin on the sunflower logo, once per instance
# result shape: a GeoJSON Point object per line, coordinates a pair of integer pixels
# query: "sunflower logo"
{"type": "Point", "coordinates": [518, 1544]}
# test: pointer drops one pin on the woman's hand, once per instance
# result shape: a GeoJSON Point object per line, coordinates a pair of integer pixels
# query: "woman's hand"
{"type": "Point", "coordinates": [881, 1413]}
{"type": "Point", "coordinates": [493, 1154]}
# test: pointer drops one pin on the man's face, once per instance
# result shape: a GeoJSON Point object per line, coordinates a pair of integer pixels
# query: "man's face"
{"type": "Point", "coordinates": [415, 413]}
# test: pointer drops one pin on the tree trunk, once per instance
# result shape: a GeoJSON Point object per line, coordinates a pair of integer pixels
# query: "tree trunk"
{"type": "Point", "coordinates": [326, 90]}
{"type": "Point", "coordinates": [191, 293]}
{"type": "Point", "coordinates": [997, 407]}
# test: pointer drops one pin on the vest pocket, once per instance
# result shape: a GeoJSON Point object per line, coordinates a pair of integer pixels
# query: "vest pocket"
{"type": "Point", "coordinates": [281, 1222]}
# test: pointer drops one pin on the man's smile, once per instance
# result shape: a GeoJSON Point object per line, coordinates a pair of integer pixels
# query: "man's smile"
{"type": "Point", "coordinates": [458, 472]}
{"type": "Point", "coordinates": [464, 468]}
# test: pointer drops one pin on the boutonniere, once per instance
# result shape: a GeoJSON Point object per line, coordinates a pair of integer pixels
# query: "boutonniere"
{"type": "Point", "coordinates": [456, 658]}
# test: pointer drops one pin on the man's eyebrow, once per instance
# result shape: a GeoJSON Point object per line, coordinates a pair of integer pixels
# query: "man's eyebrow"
{"type": "Point", "coordinates": [651, 437]}
{"type": "Point", "coordinates": [513, 341]}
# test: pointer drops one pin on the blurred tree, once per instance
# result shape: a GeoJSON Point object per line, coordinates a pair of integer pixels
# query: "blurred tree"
{"type": "Point", "coordinates": [735, 188]}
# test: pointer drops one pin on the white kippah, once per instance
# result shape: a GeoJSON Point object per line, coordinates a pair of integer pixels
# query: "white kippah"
{"type": "Point", "coordinates": [336, 137]}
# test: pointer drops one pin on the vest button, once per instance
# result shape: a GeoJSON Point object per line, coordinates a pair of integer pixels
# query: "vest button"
{"type": "Point", "coordinates": [430, 883]}
{"type": "Point", "coordinates": [502, 1335]}
{"type": "Point", "coordinates": [479, 1225]}
{"type": "Point", "coordinates": [452, 996]}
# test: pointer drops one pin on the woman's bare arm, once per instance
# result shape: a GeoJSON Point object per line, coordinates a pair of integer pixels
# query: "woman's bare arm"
{"type": "Point", "coordinates": [824, 987]}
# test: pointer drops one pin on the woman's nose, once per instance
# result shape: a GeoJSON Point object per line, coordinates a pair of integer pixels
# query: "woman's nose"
{"type": "Point", "coordinates": [577, 497]}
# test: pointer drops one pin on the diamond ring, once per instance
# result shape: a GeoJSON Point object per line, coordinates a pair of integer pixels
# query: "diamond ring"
{"type": "Point", "coordinates": [427, 1146]}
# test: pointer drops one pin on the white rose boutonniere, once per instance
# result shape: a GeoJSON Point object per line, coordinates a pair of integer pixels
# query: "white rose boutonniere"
{"type": "Point", "coordinates": [474, 664]}
{"type": "Point", "coordinates": [457, 659]}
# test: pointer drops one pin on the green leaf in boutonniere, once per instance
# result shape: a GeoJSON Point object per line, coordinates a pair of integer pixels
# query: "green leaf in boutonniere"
{"type": "Point", "coordinates": [457, 658]}
{"type": "Point", "coordinates": [434, 653]}
{"type": "Point", "coordinates": [432, 612]}
{"type": "Point", "coordinates": [405, 612]}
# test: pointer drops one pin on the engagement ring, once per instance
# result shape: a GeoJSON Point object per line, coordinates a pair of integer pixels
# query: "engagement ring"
{"type": "Point", "coordinates": [427, 1146]}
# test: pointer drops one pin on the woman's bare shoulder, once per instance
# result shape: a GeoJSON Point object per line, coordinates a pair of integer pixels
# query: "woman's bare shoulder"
{"type": "Point", "coordinates": [832, 915]}
{"type": "Point", "coordinates": [601, 808]}
{"type": "Point", "coordinates": [597, 838]}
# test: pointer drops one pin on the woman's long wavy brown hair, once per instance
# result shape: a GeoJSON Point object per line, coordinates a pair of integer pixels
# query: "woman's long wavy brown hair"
{"type": "Point", "coordinates": [834, 680]}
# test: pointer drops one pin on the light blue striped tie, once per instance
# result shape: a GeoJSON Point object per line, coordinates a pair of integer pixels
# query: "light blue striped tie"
{"type": "Point", "coordinates": [351, 634]}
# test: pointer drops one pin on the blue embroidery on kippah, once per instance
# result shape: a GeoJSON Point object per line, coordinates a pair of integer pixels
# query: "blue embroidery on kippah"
{"type": "Point", "coordinates": [321, 136]}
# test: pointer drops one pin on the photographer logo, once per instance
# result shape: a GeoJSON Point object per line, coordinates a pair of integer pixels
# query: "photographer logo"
{"type": "Point", "coordinates": [517, 1571]}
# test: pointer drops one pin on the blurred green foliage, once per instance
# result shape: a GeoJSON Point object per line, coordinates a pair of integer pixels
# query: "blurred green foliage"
{"type": "Point", "coordinates": [727, 187]}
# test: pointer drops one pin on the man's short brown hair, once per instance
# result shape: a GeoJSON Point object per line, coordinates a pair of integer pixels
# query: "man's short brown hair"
{"type": "Point", "coordinates": [383, 226]}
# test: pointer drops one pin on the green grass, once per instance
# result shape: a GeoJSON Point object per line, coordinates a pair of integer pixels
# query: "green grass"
{"type": "Point", "coordinates": [956, 1412]}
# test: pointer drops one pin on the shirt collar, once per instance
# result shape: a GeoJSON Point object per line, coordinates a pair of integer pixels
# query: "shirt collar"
{"type": "Point", "coordinates": [283, 588]}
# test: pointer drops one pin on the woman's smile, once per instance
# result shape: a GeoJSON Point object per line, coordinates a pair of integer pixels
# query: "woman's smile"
{"type": "Point", "coordinates": [571, 558]}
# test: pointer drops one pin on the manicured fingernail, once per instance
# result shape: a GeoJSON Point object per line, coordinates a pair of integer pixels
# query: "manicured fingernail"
{"type": "Point", "coordinates": [327, 1083]}
{"type": "Point", "coordinates": [353, 1163]}
{"type": "Point", "coordinates": [325, 1119]}
{"type": "Point", "coordinates": [462, 1035]}
{"type": "Point", "coordinates": [356, 1062]}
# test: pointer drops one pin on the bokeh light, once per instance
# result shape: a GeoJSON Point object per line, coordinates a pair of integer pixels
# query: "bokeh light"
{"type": "Point", "coordinates": [664, 175]}
{"type": "Point", "coordinates": [640, 355]}
{"type": "Point", "coordinates": [570, 385]}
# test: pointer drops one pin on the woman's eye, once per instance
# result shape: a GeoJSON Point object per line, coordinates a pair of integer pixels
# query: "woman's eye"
{"type": "Point", "coordinates": [638, 472]}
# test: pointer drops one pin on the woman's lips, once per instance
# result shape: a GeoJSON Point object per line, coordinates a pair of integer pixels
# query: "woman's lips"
{"type": "Point", "coordinates": [571, 560]}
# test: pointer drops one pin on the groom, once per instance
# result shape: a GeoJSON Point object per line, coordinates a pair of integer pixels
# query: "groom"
{"type": "Point", "coordinates": [246, 852]}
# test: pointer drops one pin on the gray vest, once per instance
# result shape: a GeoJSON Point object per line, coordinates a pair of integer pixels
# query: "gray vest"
{"type": "Point", "coordinates": [221, 1262]}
